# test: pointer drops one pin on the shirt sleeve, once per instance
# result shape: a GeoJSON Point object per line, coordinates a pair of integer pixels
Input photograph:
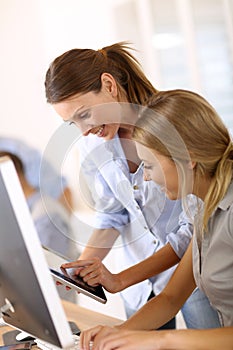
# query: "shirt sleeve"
{"type": "Point", "coordinates": [109, 211]}
{"type": "Point", "coordinates": [180, 239]}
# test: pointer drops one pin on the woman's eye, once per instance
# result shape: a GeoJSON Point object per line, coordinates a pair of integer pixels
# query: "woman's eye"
{"type": "Point", "coordinates": [84, 115]}
{"type": "Point", "coordinates": [79, 117]}
{"type": "Point", "coordinates": [147, 167]}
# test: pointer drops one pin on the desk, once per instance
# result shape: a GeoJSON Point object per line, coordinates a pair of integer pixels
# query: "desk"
{"type": "Point", "coordinates": [83, 317]}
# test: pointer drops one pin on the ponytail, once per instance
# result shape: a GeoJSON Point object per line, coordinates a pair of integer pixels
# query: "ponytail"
{"type": "Point", "coordinates": [79, 71]}
{"type": "Point", "coordinates": [127, 71]}
{"type": "Point", "coordinates": [220, 183]}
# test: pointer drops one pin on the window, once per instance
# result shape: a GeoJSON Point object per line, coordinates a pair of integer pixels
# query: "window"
{"type": "Point", "coordinates": [184, 44]}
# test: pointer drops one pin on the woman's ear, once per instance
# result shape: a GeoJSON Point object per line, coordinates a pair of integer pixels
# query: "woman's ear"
{"type": "Point", "coordinates": [109, 84]}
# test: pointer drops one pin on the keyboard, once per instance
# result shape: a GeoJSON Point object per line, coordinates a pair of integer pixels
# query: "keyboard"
{"type": "Point", "coordinates": [47, 346]}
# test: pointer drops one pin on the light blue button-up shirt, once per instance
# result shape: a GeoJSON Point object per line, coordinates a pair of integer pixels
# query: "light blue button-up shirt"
{"type": "Point", "coordinates": [139, 210]}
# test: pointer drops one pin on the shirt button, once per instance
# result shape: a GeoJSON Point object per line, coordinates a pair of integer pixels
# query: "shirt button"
{"type": "Point", "coordinates": [137, 207]}
{"type": "Point", "coordinates": [155, 241]}
{"type": "Point", "coordinates": [145, 227]}
{"type": "Point", "coordinates": [135, 187]}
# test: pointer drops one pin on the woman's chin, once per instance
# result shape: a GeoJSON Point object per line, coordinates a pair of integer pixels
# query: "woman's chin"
{"type": "Point", "coordinates": [172, 196]}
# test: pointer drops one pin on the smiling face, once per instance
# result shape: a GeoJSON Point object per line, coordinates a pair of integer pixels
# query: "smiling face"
{"type": "Point", "coordinates": [94, 113]}
{"type": "Point", "coordinates": [160, 169]}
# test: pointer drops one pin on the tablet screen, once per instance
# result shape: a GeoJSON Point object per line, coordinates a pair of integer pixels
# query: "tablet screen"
{"type": "Point", "coordinates": [77, 283]}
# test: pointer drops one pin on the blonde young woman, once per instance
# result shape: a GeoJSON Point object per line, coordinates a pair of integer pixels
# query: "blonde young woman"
{"type": "Point", "coordinates": [88, 87]}
{"type": "Point", "coordinates": [186, 149]}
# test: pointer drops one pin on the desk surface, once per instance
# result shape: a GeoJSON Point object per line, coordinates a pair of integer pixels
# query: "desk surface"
{"type": "Point", "coordinates": [84, 318]}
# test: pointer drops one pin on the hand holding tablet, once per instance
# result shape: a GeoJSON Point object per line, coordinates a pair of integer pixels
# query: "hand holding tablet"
{"type": "Point", "coordinates": [76, 282]}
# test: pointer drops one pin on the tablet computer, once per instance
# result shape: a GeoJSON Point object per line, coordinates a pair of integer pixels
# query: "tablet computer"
{"type": "Point", "coordinates": [77, 283]}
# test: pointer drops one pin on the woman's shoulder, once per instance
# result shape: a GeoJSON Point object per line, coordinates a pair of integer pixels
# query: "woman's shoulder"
{"type": "Point", "coordinates": [227, 202]}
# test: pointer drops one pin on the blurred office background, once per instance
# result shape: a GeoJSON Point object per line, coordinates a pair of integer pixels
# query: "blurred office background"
{"type": "Point", "coordinates": [180, 44]}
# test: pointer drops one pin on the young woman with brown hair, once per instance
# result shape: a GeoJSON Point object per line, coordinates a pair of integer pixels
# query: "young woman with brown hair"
{"type": "Point", "coordinates": [101, 92]}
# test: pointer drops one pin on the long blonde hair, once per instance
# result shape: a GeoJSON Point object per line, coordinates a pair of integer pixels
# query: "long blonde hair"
{"type": "Point", "coordinates": [202, 133]}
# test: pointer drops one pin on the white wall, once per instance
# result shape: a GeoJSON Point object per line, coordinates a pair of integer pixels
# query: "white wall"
{"type": "Point", "coordinates": [32, 34]}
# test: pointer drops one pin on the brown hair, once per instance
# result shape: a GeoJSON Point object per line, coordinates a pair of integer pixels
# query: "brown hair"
{"type": "Point", "coordinates": [202, 132]}
{"type": "Point", "coordinates": [80, 70]}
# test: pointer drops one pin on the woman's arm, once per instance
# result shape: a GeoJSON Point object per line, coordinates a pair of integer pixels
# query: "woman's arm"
{"type": "Point", "coordinates": [160, 261]}
{"type": "Point", "coordinates": [208, 339]}
{"type": "Point", "coordinates": [158, 310]}
{"type": "Point", "coordinates": [99, 245]}
{"type": "Point", "coordinates": [95, 271]}
{"type": "Point", "coordinates": [162, 308]}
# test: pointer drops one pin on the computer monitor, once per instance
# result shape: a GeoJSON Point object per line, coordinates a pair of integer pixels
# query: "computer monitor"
{"type": "Point", "coordinates": [29, 300]}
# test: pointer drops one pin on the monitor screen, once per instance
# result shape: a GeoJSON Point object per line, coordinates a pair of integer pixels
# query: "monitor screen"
{"type": "Point", "coordinates": [29, 300]}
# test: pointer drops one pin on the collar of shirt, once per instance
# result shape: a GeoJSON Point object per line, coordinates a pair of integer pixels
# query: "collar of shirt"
{"type": "Point", "coordinates": [115, 148]}
{"type": "Point", "coordinates": [227, 200]}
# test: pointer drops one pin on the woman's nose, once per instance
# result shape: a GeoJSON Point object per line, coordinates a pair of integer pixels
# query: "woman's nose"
{"type": "Point", "coordinates": [85, 128]}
